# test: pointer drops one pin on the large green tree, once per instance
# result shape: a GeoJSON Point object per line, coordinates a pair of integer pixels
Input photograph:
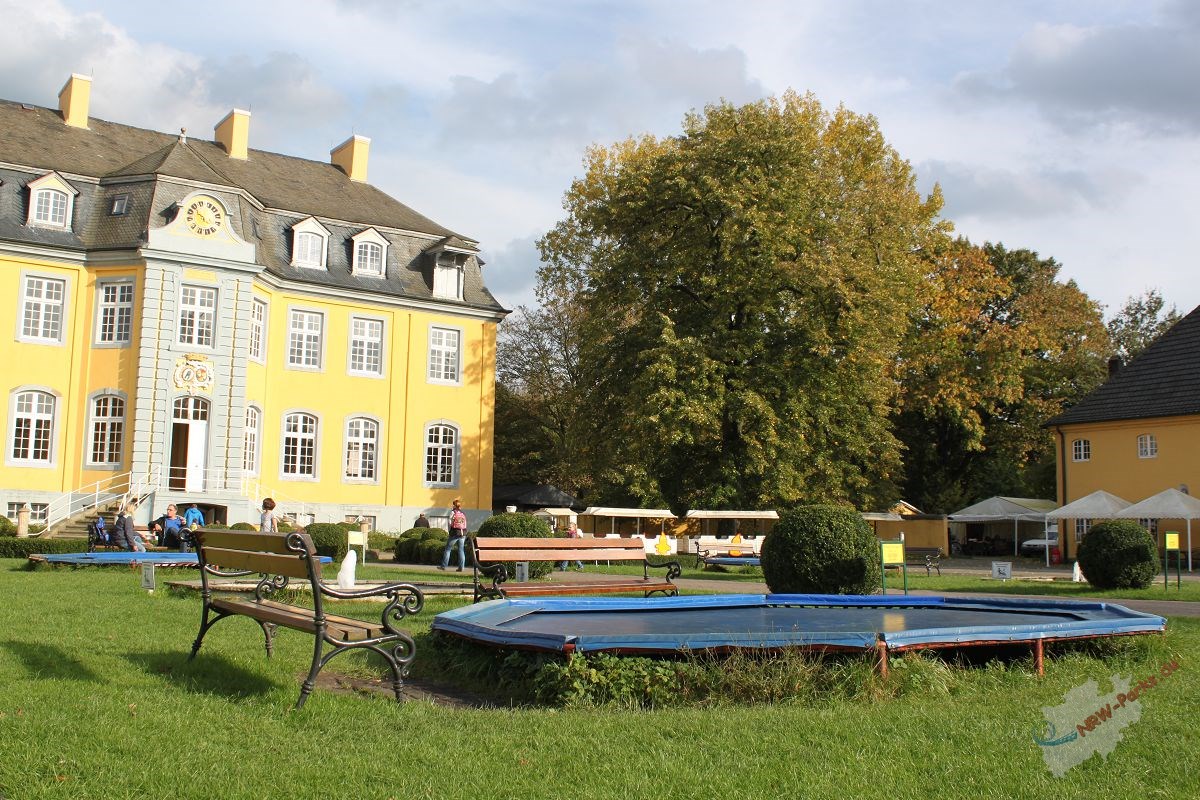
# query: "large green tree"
{"type": "Point", "coordinates": [1141, 320]}
{"type": "Point", "coordinates": [744, 289]}
{"type": "Point", "coordinates": [1001, 346]}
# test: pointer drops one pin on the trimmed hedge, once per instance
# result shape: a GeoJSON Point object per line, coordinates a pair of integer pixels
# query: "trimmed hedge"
{"type": "Point", "coordinates": [420, 546]}
{"type": "Point", "coordinates": [12, 547]}
{"type": "Point", "coordinates": [243, 526]}
{"type": "Point", "coordinates": [1118, 554]}
{"type": "Point", "coordinates": [520, 525]}
{"type": "Point", "coordinates": [821, 549]}
{"type": "Point", "coordinates": [7, 527]}
{"type": "Point", "coordinates": [330, 538]}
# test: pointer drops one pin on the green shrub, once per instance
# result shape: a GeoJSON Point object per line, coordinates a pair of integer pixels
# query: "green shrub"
{"type": "Point", "coordinates": [377, 540]}
{"type": "Point", "coordinates": [1118, 554]}
{"type": "Point", "coordinates": [420, 546]}
{"type": "Point", "coordinates": [519, 526]}
{"type": "Point", "coordinates": [284, 525]}
{"type": "Point", "coordinates": [243, 526]}
{"type": "Point", "coordinates": [7, 527]}
{"type": "Point", "coordinates": [330, 538]}
{"type": "Point", "coordinates": [821, 550]}
{"type": "Point", "coordinates": [12, 547]}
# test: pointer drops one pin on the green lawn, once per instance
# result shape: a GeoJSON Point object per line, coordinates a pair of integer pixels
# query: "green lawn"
{"type": "Point", "coordinates": [97, 700]}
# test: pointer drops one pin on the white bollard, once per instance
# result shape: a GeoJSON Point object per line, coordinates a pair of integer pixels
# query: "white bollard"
{"type": "Point", "coordinates": [345, 578]}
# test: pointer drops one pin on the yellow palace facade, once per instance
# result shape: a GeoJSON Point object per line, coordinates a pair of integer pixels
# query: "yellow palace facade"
{"type": "Point", "coordinates": [196, 321]}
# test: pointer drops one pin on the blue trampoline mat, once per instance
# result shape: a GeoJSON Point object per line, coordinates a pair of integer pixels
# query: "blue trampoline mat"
{"type": "Point", "coordinates": [125, 558]}
{"type": "Point", "coordinates": [772, 621]}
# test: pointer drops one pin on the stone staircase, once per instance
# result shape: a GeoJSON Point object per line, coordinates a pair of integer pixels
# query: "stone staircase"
{"type": "Point", "coordinates": [77, 526]}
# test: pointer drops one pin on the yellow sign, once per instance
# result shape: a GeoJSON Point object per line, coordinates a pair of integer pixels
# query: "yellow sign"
{"type": "Point", "coordinates": [1172, 540]}
{"type": "Point", "coordinates": [661, 545]}
{"type": "Point", "coordinates": [737, 539]}
{"type": "Point", "coordinates": [892, 552]}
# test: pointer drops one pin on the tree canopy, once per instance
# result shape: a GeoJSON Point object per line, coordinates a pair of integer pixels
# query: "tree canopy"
{"type": "Point", "coordinates": [744, 289]}
{"type": "Point", "coordinates": [1141, 320]}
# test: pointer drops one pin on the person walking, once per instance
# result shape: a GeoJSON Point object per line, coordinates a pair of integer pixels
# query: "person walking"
{"type": "Point", "coordinates": [422, 521]}
{"type": "Point", "coordinates": [572, 533]}
{"type": "Point", "coordinates": [267, 522]}
{"type": "Point", "coordinates": [458, 537]}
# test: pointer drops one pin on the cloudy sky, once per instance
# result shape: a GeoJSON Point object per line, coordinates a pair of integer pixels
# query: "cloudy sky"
{"type": "Point", "coordinates": [1070, 128]}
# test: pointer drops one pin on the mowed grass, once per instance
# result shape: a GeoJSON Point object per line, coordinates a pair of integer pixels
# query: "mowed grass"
{"type": "Point", "coordinates": [97, 700]}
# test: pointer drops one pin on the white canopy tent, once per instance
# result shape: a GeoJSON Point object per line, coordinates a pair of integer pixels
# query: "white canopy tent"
{"type": "Point", "coordinates": [629, 513]}
{"type": "Point", "coordinates": [704, 515]}
{"type": "Point", "coordinates": [1167, 504]}
{"type": "Point", "coordinates": [1000, 509]}
{"type": "Point", "coordinates": [1097, 505]}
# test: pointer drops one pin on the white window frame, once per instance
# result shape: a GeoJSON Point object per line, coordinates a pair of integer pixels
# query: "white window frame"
{"type": "Point", "coordinates": [1147, 445]}
{"type": "Point", "coordinates": [299, 339]}
{"type": "Point", "coordinates": [365, 340]}
{"type": "Point", "coordinates": [259, 311]}
{"type": "Point", "coordinates": [1150, 524]}
{"type": "Point", "coordinates": [358, 443]}
{"type": "Point", "coordinates": [435, 363]}
{"type": "Point", "coordinates": [48, 187]}
{"type": "Point", "coordinates": [38, 512]}
{"type": "Point", "coordinates": [1081, 450]}
{"type": "Point", "coordinates": [15, 413]}
{"type": "Point", "coordinates": [449, 275]}
{"type": "Point", "coordinates": [365, 240]}
{"type": "Point", "coordinates": [297, 474]}
{"type": "Point", "coordinates": [453, 450]}
{"type": "Point", "coordinates": [108, 426]}
{"type": "Point", "coordinates": [193, 336]}
{"type": "Point", "coordinates": [1082, 526]}
{"type": "Point", "coordinates": [41, 308]}
{"type": "Point", "coordinates": [251, 440]}
{"type": "Point", "coordinates": [114, 312]}
{"type": "Point", "coordinates": [300, 258]}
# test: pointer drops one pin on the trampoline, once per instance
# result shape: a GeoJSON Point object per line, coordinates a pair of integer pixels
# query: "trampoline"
{"type": "Point", "coordinates": [774, 621]}
{"type": "Point", "coordinates": [125, 558]}
{"type": "Point", "coordinates": [733, 561]}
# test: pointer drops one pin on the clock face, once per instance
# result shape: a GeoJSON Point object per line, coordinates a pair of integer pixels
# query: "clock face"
{"type": "Point", "coordinates": [203, 216]}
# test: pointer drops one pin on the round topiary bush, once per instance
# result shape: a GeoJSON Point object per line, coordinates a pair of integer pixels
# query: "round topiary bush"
{"type": "Point", "coordinates": [821, 550]}
{"type": "Point", "coordinates": [7, 527]}
{"type": "Point", "coordinates": [243, 526]}
{"type": "Point", "coordinates": [519, 525]}
{"type": "Point", "coordinates": [1118, 554]}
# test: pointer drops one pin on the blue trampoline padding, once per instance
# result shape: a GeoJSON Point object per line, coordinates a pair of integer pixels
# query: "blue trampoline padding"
{"type": "Point", "coordinates": [734, 561]}
{"type": "Point", "coordinates": [160, 559]}
{"type": "Point", "coordinates": [779, 620]}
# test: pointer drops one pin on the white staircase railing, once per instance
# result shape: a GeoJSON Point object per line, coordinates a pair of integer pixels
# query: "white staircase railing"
{"type": "Point", "coordinates": [85, 498]}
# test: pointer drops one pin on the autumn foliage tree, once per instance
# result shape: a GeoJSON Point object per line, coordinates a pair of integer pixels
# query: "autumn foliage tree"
{"type": "Point", "coordinates": [745, 288]}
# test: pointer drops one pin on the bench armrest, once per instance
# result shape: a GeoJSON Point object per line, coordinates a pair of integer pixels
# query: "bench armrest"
{"type": "Point", "coordinates": [404, 600]}
{"type": "Point", "coordinates": [672, 567]}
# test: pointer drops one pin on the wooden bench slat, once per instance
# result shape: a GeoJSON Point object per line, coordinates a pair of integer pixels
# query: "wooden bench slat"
{"type": "Point", "coordinates": [562, 554]}
{"type": "Point", "coordinates": [245, 540]}
{"type": "Point", "coordinates": [292, 565]}
{"type": "Point", "coordinates": [520, 543]}
{"type": "Point", "coordinates": [294, 617]}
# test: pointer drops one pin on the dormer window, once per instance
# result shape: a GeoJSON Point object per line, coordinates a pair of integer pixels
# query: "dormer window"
{"type": "Point", "coordinates": [119, 206]}
{"type": "Point", "coordinates": [370, 253]}
{"type": "Point", "coordinates": [50, 202]}
{"type": "Point", "coordinates": [309, 240]}
{"type": "Point", "coordinates": [448, 272]}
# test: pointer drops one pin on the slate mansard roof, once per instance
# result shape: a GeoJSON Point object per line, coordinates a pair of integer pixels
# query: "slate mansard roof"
{"type": "Point", "coordinates": [1162, 381]}
{"type": "Point", "coordinates": [118, 159]}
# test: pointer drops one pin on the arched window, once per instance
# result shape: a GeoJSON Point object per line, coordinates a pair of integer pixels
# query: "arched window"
{"type": "Point", "coordinates": [33, 428]}
{"type": "Point", "coordinates": [108, 429]}
{"type": "Point", "coordinates": [368, 259]}
{"type": "Point", "coordinates": [50, 208]}
{"type": "Point", "coordinates": [299, 446]}
{"type": "Point", "coordinates": [1081, 450]}
{"type": "Point", "coordinates": [250, 440]}
{"type": "Point", "coordinates": [441, 450]}
{"type": "Point", "coordinates": [362, 449]}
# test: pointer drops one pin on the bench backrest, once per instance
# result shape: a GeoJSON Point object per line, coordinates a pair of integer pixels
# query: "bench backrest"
{"type": "Point", "coordinates": [229, 554]}
{"type": "Point", "coordinates": [748, 547]}
{"type": "Point", "coordinates": [511, 548]}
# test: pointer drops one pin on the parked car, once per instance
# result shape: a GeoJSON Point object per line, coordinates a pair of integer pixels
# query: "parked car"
{"type": "Point", "coordinates": [1037, 547]}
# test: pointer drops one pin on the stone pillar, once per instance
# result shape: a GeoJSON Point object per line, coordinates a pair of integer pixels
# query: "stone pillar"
{"type": "Point", "coordinates": [23, 520]}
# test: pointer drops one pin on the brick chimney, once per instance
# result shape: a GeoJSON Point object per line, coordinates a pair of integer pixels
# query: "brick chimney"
{"type": "Point", "coordinates": [233, 133]}
{"type": "Point", "coordinates": [73, 100]}
{"type": "Point", "coordinates": [351, 157]}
